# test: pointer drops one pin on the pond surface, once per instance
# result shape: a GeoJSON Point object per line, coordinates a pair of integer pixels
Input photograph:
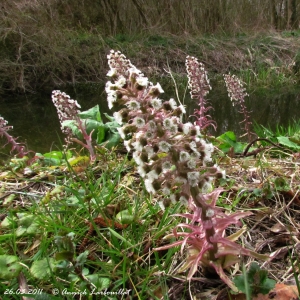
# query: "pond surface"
{"type": "Point", "coordinates": [35, 120]}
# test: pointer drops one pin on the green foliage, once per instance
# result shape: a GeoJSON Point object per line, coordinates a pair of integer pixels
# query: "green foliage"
{"type": "Point", "coordinates": [42, 269]}
{"type": "Point", "coordinates": [55, 158]}
{"type": "Point", "coordinates": [287, 142]}
{"type": "Point", "coordinates": [10, 266]}
{"type": "Point", "coordinates": [286, 136]}
{"type": "Point", "coordinates": [125, 217]}
{"type": "Point", "coordinates": [228, 140]}
{"type": "Point", "coordinates": [27, 225]}
{"type": "Point", "coordinates": [53, 259]}
{"type": "Point", "coordinates": [254, 281]}
{"type": "Point", "coordinates": [105, 134]}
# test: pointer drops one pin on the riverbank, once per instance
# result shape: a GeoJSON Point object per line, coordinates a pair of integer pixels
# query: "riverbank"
{"type": "Point", "coordinates": [47, 62]}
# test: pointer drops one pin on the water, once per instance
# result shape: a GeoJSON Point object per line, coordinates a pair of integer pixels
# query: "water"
{"type": "Point", "coordinates": [36, 123]}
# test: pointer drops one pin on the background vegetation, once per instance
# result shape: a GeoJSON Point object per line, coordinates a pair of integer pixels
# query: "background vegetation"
{"type": "Point", "coordinates": [44, 44]}
{"type": "Point", "coordinates": [62, 216]}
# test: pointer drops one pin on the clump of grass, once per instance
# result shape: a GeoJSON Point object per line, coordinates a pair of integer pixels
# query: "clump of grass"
{"type": "Point", "coordinates": [266, 132]}
{"type": "Point", "coordinates": [117, 255]}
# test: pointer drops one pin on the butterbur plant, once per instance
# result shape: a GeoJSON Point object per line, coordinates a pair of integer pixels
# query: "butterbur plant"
{"type": "Point", "coordinates": [15, 146]}
{"type": "Point", "coordinates": [175, 162]}
{"type": "Point", "coordinates": [68, 110]}
{"type": "Point", "coordinates": [237, 94]}
{"type": "Point", "coordinates": [171, 156]}
{"type": "Point", "coordinates": [199, 86]}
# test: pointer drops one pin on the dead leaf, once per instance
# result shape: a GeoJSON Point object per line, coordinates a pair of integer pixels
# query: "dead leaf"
{"type": "Point", "coordinates": [278, 228]}
{"type": "Point", "coordinates": [35, 244]}
{"type": "Point", "coordinates": [280, 292]}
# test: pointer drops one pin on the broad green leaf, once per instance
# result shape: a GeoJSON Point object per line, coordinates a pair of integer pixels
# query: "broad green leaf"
{"type": "Point", "coordinates": [89, 125]}
{"type": "Point", "coordinates": [54, 154]}
{"type": "Point", "coordinates": [285, 141]}
{"type": "Point", "coordinates": [52, 161]}
{"type": "Point", "coordinates": [72, 124]}
{"type": "Point", "coordinates": [255, 281]}
{"type": "Point", "coordinates": [57, 190]}
{"type": "Point", "coordinates": [72, 200]}
{"type": "Point", "coordinates": [112, 140]}
{"type": "Point", "coordinates": [5, 237]}
{"type": "Point", "coordinates": [9, 199]}
{"type": "Point", "coordinates": [95, 126]}
{"type": "Point", "coordinates": [64, 255]}
{"type": "Point", "coordinates": [228, 140]}
{"type": "Point", "coordinates": [81, 258]}
{"type": "Point", "coordinates": [239, 282]}
{"type": "Point", "coordinates": [27, 226]}
{"type": "Point", "coordinates": [42, 269]}
{"type": "Point", "coordinates": [85, 271]}
{"type": "Point", "coordinates": [228, 136]}
{"type": "Point", "coordinates": [9, 222]}
{"type": "Point", "coordinates": [296, 138]}
{"type": "Point", "coordinates": [9, 267]}
{"type": "Point", "coordinates": [125, 217]}
{"type": "Point", "coordinates": [101, 130]}
{"type": "Point", "coordinates": [79, 161]}
{"type": "Point", "coordinates": [92, 113]}
{"type": "Point", "coordinates": [44, 296]}
{"type": "Point", "coordinates": [112, 125]}
{"type": "Point", "coordinates": [109, 117]}
{"type": "Point", "coordinates": [54, 158]}
{"type": "Point", "coordinates": [100, 282]}
{"type": "Point", "coordinates": [267, 285]}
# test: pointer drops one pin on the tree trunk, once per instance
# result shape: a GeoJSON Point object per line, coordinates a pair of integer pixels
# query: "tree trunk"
{"type": "Point", "coordinates": [294, 16]}
{"type": "Point", "coordinates": [274, 14]}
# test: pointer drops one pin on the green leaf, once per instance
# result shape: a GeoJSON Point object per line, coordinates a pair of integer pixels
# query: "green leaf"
{"type": "Point", "coordinates": [54, 158]}
{"type": "Point", "coordinates": [78, 161]}
{"type": "Point", "coordinates": [9, 222]}
{"type": "Point", "coordinates": [124, 217]}
{"type": "Point", "coordinates": [254, 281]}
{"type": "Point", "coordinates": [5, 237]}
{"type": "Point", "coordinates": [42, 269]}
{"type": "Point", "coordinates": [296, 138]}
{"type": "Point", "coordinates": [101, 130]}
{"type": "Point", "coordinates": [112, 140]}
{"type": "Point", "coordinates": [81, 258]}
{"type": "Point", "coordinates": [100, 282]}
{"type": "Point", "coordinates": [109, 117]}
{"type": "Point", "coordinates": [27, 225]}
{"type": "Point", "coordinates": [95, 126]}
{"type": "Point", "coordinates": [52, 162]}
{"type": "Point", "coordinates": [9, 199]}
{"type": "Point", "coordinates": [267, 286]}
{"type": "Point", "coordinates": [9, 267]}
{"type": "Point", "coordinates": [285, 141]}
{"type": "Point", "coordinates": [92, 113]}
{"type": "Point", "coordinates": [72, 124]}
{"type": "Point", "coordinates": [281, 184]}
{"type": "Point", "coordinates": [54, 154]}
{"type": "Point", "coordinates": [228, 136]}
{"type": "Point", "coordinates": [44, 296]}
{"type": "Point", "coordinates": [64, 255]}
{"type": "Point", "coordinates": [112, 125]}
{"type": "Point", "coordinates": [89, 125]}
{"type": "Point", "coordinates": [228, 140]}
